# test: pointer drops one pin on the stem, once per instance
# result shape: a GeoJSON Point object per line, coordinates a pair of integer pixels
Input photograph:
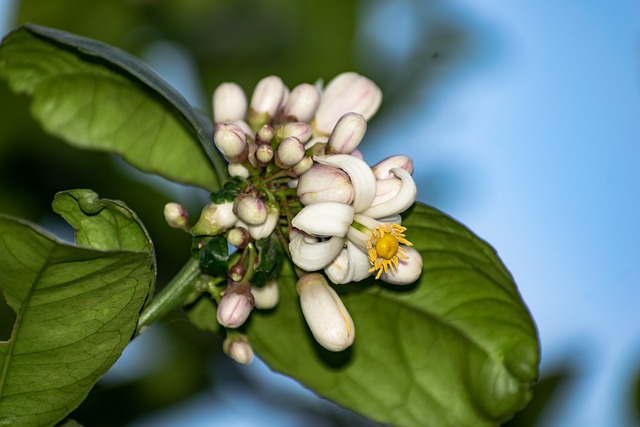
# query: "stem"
{"type": "Point", "coordinates": [171, 296]}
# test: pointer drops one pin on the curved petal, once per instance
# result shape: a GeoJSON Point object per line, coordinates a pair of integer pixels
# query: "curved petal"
{"type": "Point", "coordinates": [401, 202]}
{"type": "Point", "coordinates": [351, 265]}
{"type": "Point", "coordinates": [408, 270]}
{"type": "Point", "coordinates": [324, 219]}
{"type": "Point", "coordinates": [311, 256]}
{"type": "Point", "coordinates": [362, 178]}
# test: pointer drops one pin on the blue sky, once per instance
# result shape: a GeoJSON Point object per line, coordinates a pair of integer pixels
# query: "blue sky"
{"type": "Point", "coordinates": [540, 145]}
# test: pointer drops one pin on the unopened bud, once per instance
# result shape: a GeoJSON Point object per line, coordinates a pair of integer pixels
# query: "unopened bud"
{"type": "Point", "coordinates": [324, 184]}
{"type": "Point", "coordinates": [214, 219]}
{"type": "Point", "coordinates": [302, 166]}
{"type": "Point", "coordinates": [302, 103]}
{"type": "Point", "coordinates": [229, 103]}
{"type": "Point", "coordinates": [382, 170]}
{"type": "Point", "coordinates": [237, 169]}
{"type": "Point", "coordinates": [265, 229]}
{"type": "Point", "coordinates": [231, 141]}
{"type": "Point", "coordinates": [325, 313]}
{"type": "Point", "coordinates": [300, 130]}
{"type": "Point", "coordinates": [234, 308]}
{"type": "Point", "coordinates": [238, 237]}
{"type": "Point", "coordinates": [265, 135]}
{"type": "Point", "coordinates": [348, 92]}
{"type": "Point", "coordinates": [250, 209]}
{"type": "Point", "coordinates": [264, 154]}
{"type": "Point", "coordinates": [267, 98]}
{"type": "Point", "coordinates": [176, 216]}
{"type": "Point", "coordinates": [290, 152]}
{"type": "Point", "coordinates": [347, 134]}
{"type": "Point", "coordinates": [266, 297]}
{"type": "Point", "coordinates": [238, 348]}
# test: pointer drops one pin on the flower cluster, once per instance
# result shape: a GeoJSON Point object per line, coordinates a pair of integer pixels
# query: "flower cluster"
{"type": "Point", "coordinates": [299, 185]}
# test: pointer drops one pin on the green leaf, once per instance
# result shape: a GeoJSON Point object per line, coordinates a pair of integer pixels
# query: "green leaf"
{"type": "Point", "coordinates": [214, 257]}
{"type": "Point", "coordinates": [458, 348]}
{"type": "Point", "coordinates": [76, 307]}
{"type": "Point", "coordinates": [95, 96]}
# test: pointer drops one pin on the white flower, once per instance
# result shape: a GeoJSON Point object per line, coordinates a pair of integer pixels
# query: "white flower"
{"type": "Point", "coordinates": [325, 313]}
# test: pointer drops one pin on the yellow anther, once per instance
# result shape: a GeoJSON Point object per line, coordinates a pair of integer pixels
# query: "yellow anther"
{"type": "Point", "coordinates": [383, 248]}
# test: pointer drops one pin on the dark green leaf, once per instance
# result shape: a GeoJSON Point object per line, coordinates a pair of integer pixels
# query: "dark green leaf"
{"type": "Point", "coordinates": [214, 257]}
{"type": "Point", "coordinates": [268, 256]}
{"type": "Point", "coordinates": [76, 310]}
{"type": "Point", "coordinates": [98, 97]}
{"type": "Point", "coordinates": [459, 348]}
{"type": "Point", "coordinates": [203, 315]}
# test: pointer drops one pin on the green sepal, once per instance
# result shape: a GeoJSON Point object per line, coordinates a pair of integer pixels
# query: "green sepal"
{"type": "Point", "coordinates": [214, 257]}
{"type": "Point", "coordinates": [268, 260]}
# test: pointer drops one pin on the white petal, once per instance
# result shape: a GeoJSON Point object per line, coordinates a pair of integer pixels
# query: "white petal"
{"type": "Point", "coordinates": [351, 265]}
{"type": "Point", "coordinates": [403, 200]}
{"type": "Point", "coordinates": [314, 256]}
{"type": "Point", "coordinates": [362, 178]}
{"type": "Point", "coordinates": [408, 270]}
{"type": "Point", "coordinates": [324, 219]}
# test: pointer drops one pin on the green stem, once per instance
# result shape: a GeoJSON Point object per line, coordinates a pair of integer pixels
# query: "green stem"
{"type": "Point", "coordinates": [171, 296]}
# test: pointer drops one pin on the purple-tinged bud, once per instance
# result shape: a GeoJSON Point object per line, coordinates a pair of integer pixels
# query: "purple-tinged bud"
{"type": "Point", "coordinates": [302, 103]}
{"type": "Point", "coordinates": [302, 166]}
{"type": "Point", "coordinates": [347, 134]}
{"type": "Point", "coordinates": [250, 209]}
{"type": "Point", "coordinates": [290, 152]}
{"type": "Point", "coordinates": [267, 98]}
{"type": "Point", "coordinates": [234, 308]}
{"type": "Point", "coordinates": [348, 92]}
{"type": "Point", "coordinates": [238, 237]}
{"type": "Point", "coordinates": [264, 154]}
{"type": "Point", "coordinates": [266, 297]}
{"type": "Point", "coordinates": [237, 271]}
{"type": "Point", "coordinates": [229, 103]}
{"type": "Point", "coordinates": [176, 216]}
{"type": "Point", "coordinates": [214, 219]}
{"type": "Point", "coordinates": [382, 170]}
{"type": "Point", "coordinates": [324, 184]}
{"type": "Point", "coordinates": [231, 141]}
{"type": "Point", "coordinates": [265, 229]}
{"type": "Point", "coordinates": [265, 135]}
{"type": "Point", "coordinates": [238, 348]}
{"type": "Point", "coordinates": [300, 130]}
{"type": "Point", "coordinates": [357, 153]}
{"type": "Point", "coordinates": [326, 315]}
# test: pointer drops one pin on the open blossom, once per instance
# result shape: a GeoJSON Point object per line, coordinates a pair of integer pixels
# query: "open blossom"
{"type": "Point", "coordinates": [370, 227]}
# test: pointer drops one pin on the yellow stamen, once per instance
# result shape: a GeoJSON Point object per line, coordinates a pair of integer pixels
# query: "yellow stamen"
{"type": "Point", "coordinates": [383, 248]}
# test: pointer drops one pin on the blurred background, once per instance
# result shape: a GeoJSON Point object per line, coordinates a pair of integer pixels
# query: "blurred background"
{"type": "Point", "coordinates": [523, 120]}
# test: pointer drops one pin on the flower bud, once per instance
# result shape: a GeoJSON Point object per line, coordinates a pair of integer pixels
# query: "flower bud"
{"type": "Point", "coordinates": [266, 297]}
{"type": "Point", "coordinates": [238, 237]}
{"type": "Point", "coordinates": [302, 166]}
{"type": "Point", "coordinates": [302, 103]}
{"type": "Point", "coordinates": [264, 154]}
{"type": "Point", "coordinates": [234, 308]}
{"type": "Point", "coordinates": [326, 315]}
{"type": "Point", "coordinates": [231, 141]}
{"type": "Point", "coordinates": [347, 134]}
{"type": "Point", "coordinates": [348, 92]}
{"type": "Point", "coordinates": [236, 169]}
{"type": "Point", "coordinates": [238, 348]}
{"type": "Point", "coordinates": [176, 216]}
{"type": "Point", "coordinates": [300, 130]}
{"type": "Point", "coordinates": [265, 229]}
{"type": "Point", "coordinates": [265, 135]}
{"type": "Point", "coordinates": [407, 271]}
{"type": "Point", "coordinates": [382, 170]}
{"type": "Point", "coordinates": [267, 98]}
{"type": "Point", "coordinates": [229, 103]}
{"type": "Point", "coordinates": [250, 209]}
{"type": "Point", "coordinates": [324, 184]}
{"type": "Point", "coordinates": [290, 152]}
{"type": "Point", "coordinates": [214, 219]}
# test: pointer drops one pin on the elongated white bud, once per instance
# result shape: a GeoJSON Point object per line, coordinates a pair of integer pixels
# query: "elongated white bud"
{"type": "Point", "coordinates": [290, 152]}
{"type": "Point", "coordinates": [324, 184]}
{"type": "Point", "coordinates": [234, 308]}
{"type": "Point", "coordinates": [347, 92]}
{"type": "Point", "coordinates": [231, 141]}
{"type": "Point", "coordinates": [300, 130]}
{"type": "Point", "coordinates": [267, 98]}
{"type": "Point", "coordinates": [266, 297]}
{"type": "Point", "coordinates": [302, 103]}
{"type": "Point", "coordinates": [176, 216]}
{"type": "Point", "coordinates": [347, 134]}
{"type": "Point", "coordinates": [229, 103]}
{"type": "Point", "coordinates": [238, 348]}
{"type": "Point", "coordinates": [382, 170]}
{"type": "Point", "coordinates": [214, 219]}
{"type": "Point", "coordinates": [250, 209]}
{"type": "Point", "coordinates": [325, 313]}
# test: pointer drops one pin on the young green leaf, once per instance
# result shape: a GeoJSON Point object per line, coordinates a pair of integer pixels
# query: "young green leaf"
{"type": "Point", "coordinates": [458, 348]}
{"type": "Point", "coordinates": [76, 307]}
{"type": "Point", "coordinates": [95, 96]}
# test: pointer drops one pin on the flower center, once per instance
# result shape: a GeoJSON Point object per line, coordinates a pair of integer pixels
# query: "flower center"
{"type": "Point", "coordinates": [383, 248]}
